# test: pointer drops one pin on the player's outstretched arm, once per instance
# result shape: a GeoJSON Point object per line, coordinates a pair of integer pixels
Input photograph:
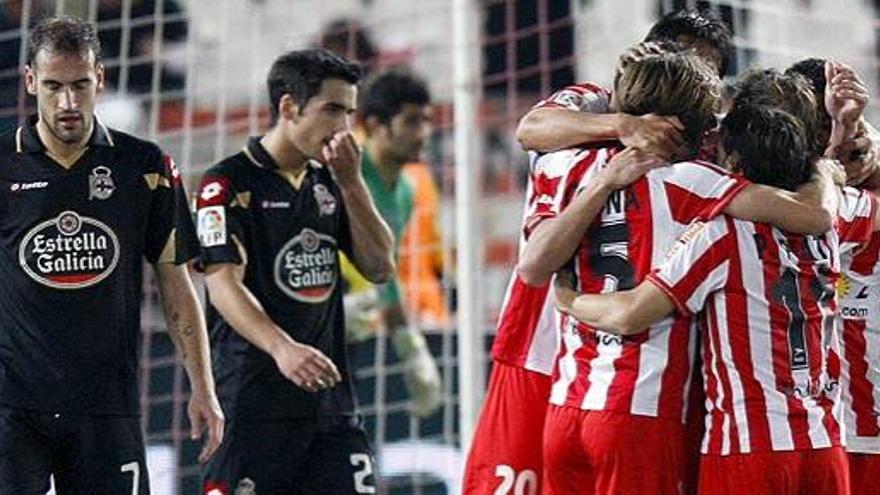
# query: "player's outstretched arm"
{"type": "Point", "coordinates": [626, 313]}
{"type": "Point", "coordinates": [186, 325]}
{"type": "Point", "coordinates": [554, 241]}
{"type": "Point", "coordinates": [371, 240]}
{"type": "Point", "coordinates": [302, 364]}
{"type": "Point", "coordinates": [810, 210]}
{"type": "Point", "coordinates": [551, 129]}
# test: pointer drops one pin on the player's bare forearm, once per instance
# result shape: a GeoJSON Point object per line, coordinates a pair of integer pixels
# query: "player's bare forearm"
{"type": "Point", "coordinates": [186, 323]}
{"type": "Point", "coordinates": [625, 313]}
{"type": "Point", "coordinates": [304, 365]}
{"type": "Point", "coordinates": [554, 241]}
{"type": "Point", "coordinates": [371, 239]}
{"type": "Point", "coordinates": [550, 129]}
{"type": "Point", "coordinates": [240, 308]}
{"type": "Point", "coordinates": [810, 210]}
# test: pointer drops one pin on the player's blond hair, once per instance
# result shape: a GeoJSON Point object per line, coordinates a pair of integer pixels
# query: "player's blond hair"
{"type": "Point", "coordinates": [673, 84]}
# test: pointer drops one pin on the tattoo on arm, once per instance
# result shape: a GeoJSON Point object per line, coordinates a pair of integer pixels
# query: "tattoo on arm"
{"type": "Point", "coordinates": [180, 330]}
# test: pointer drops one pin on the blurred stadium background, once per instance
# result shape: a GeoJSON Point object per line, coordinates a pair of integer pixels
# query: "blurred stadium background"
{"type": "Point", "coordinates": [190, 74]}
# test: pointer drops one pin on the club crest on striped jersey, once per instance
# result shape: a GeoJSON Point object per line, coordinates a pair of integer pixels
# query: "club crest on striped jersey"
{"type": "Point", "coordinates": [69, 251]}
{"type": "Point", "coordinates": [306, 267]}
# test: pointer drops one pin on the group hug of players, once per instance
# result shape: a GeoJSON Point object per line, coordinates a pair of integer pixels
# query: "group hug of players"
{"type": "Point", "coordinates": [696, 306]}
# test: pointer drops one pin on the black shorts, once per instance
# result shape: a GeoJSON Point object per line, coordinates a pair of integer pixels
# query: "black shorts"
{"type": "Point", "coordinates": [291, 457]}
{"type": "Point", "coordinates": [86, 454]}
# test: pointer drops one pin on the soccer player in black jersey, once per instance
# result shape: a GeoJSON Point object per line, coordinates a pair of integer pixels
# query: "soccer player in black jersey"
{"type": "Point", "coordinates": [272, 220]}
{"type": "Point", "coordinates": [81, 206]}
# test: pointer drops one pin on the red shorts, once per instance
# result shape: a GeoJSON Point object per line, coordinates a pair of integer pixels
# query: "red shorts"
{"type": "Point", "coordinates": [800, 472]}
{"type": "Point", "coordinates": [601, 452]}
{"type": "Point", "coordinates": [505, 456]}
{"type": "Point", "coordinates": [864, 473]}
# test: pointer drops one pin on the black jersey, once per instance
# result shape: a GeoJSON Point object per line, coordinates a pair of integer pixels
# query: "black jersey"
{"type": "Point", "coordinates": [72, 244]}
{"type": "Point", "coordinates": [288, 236]}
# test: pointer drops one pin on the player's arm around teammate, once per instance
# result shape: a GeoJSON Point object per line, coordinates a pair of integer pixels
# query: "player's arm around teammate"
{"type": "Point", "coordinates": [566, 119]}
{"type": "Point", "coordinates": [186, 325]}
{"type": "Point", "coordinates": [554, 242]}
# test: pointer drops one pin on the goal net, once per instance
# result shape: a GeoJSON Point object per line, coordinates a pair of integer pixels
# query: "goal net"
{"type": "Point", "coordinates": [190, 74]}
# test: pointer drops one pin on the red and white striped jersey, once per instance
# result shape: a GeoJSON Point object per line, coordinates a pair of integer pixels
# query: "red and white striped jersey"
{"type": "Point", "coordinates": [583, 97]}
{"type": "Point", "coordinates": [858, 291]}
{"type": "Point", "coordinates": [649, 374]}
{"type": "Point", "coordinates": [527, 330]}
{"type": "Point", "coordinates": [768, 312]}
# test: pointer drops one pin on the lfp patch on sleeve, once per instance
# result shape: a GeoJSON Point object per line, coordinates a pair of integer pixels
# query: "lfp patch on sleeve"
{"type": "Point", "coordinates": [212, 226]}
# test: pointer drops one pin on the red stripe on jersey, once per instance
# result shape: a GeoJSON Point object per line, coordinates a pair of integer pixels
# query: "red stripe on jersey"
{"type": "Point", "coordinates": [714, 415]}
{"type": "Point", "coordinates": [756, 398]}
{"type": "Point", "coordinates": [719, 366]}
{"type": "Point", "coordinates": [518, 318]}
{"type": "Point", "coordinates": [520, 325]}
{"type": "Point", "coordinates": [584, 356]}
{"type": "Point", "coordinates": [542, 184]}
{"type": "Point", "coordinates": [683, 204]}
{"type": "Point", "coordinates": [549, 187]}
{"type": "Point", "coordinates": [860, 387]}
{"type": "Point", "coordinates": [573, 181]}
{"type": "Point", "coordinates": [856, 221]}
{"type": "Point", "coordinates": [649, 374]}
{"type": "Point", "coordinates": [587, 88]}
{"type": "Point", "coordinates": [781, 328]}
{"type": "Point", "coordinates": [641, 228]}
{"type": "Point", "coordinates": [741, 348]}
{"type": "Point", "coordinates": [558, 98]}
{"type": "Point", "coordinates": [678, 372]}
{"type": "Point", "coordinates": [865, 261]}
{"type": "Point", "coordinates": [688, 283]}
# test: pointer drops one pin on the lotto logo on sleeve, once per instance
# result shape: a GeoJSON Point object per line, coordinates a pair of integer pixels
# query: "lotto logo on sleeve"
{"type": "Point", "coordinates": [212, 226]}
{"type": "Point", "coordinates": [69, 251]}
{"type": "Point", "coordinates": [305, 268]}
{"type": "Point", "coordinates": [213, 191]}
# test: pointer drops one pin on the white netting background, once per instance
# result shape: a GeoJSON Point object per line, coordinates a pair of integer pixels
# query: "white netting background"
{"type": "Point", "coordinates": [190, 75]}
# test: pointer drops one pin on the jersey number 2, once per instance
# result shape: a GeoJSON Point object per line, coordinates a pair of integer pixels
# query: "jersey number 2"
{"type": "Point", "coordinates": [361, 475]}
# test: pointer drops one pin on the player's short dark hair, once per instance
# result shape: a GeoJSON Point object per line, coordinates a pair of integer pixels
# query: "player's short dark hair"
{"type": "Point", "coordinates": [813, 69]}
{"type": "Point", "coordinates": [63, 35]}
{"type": "Point", "coordinates": [769, 145]}
{"type": "Point", "coordinates": [703, 25]}
{"type": "Point", "coordinates": [300, 74]}
{"type": "Point", "coordinates": [673, 84]}
{"type": "Point", "coordinates": [385, 95]}
{"type": "Point", "coordinates": [790, 92]}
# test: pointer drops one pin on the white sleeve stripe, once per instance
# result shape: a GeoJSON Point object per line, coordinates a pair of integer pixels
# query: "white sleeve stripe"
{"type": "Point", "coordinates": [700, 180]}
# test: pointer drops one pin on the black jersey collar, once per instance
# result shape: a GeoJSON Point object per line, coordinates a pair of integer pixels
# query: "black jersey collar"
{"type": "Point", "coordinates": [27, 139]}
{"type": "Point", "coordinates": [258, 155]}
